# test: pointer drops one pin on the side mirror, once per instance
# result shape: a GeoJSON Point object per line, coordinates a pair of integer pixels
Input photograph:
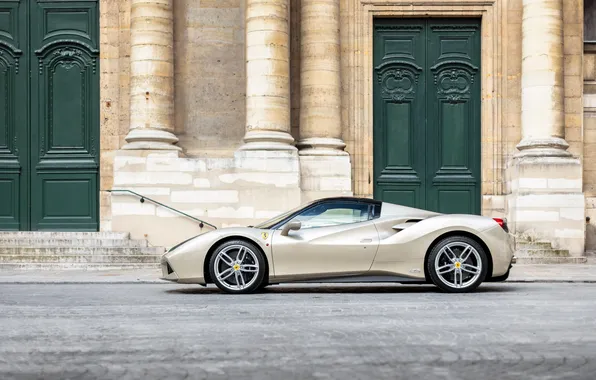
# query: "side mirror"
{"type": "Point", "coordinates": [290, 226]}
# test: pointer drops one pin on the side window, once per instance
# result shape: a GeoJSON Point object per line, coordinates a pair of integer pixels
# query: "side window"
{"type": "Point", "coordinates": [333, 214]}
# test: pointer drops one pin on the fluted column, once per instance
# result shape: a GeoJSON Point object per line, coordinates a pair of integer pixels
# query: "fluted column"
{"type": "Point", "coordinates": [152, 76]}
{"type": "Point", "coordinates": [267, 76]}
{"type": "Point", "coordinates": [543, 114]}
{"type": "Point", "coordinates": [320, 79]}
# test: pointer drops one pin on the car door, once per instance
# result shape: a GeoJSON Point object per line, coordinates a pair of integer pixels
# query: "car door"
{"type": "Point", "coordinates": [335, 238]}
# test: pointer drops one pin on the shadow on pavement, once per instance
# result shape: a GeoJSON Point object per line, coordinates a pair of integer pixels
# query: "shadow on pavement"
{"type": "Point", "coordinates": [354, 289]}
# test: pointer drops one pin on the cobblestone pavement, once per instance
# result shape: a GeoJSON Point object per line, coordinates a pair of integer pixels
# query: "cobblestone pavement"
{"type": "Point", "coordinates": [133, 331]}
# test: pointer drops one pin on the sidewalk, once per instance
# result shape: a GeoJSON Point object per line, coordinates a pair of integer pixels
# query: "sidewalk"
{"type": "Point", "coordinates": [585, 273]}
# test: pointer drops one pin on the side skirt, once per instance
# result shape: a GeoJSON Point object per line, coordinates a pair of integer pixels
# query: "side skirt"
{"type": "Point", "coordinates": [364, 279]}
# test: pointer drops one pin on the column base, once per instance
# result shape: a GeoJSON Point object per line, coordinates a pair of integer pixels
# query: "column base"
{"type": "Point", "coordinates": [545, 147]}
{"type": "Point", "coordinates": [151, 139]}
{"type": "Point", "coordinates": [325, 176]}
{"type": "Point", "coordinates": [322, 146]}
{"type": "Point", "coordinates": [546, 201]}
{"type": "Point", "coordinates": [268, 140]}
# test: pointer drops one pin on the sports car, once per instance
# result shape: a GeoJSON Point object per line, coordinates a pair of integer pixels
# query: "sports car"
{"type": "Point", "coordinates": [348, 239]}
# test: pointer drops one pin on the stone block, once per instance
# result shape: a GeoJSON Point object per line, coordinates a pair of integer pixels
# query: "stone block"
{"type": "Point", "coordinates": [149, 191]}
{"type": "Point", "coordinates": [267, 214]}
{"type": "Point", "coordinates": [130, 208]}
{"type": "Point", "coordinates": [205, 196]}
{"type": "Point", "coordinates": [201, 182]}
{"type": "Point", "coordinates": [261, 178]}
{"type": "Point", "coordinates": [267, 161]}
{"type": "Point", "coordinates": [532, 183]}
{"type": "Point", "coordinates": [576, 213]}
{"type": "Point", "coordinates": [243, 212]}
{"type": "Point", "coordinates": [121, 162]}
{"type": "Point", "coordinates": [565, 184]}
{"type": "Point", "coordinates": [167, 213]}
{"type": "Point", "coordinates": [151, 178]}
{"type": "Point", "coordinates": [546, 199]}
{"type": "Point", "coordinates": [330, 174]}
{"type": "Point", "coordinates": [174, 164]}
{"type": "Point", "coordinates": [535, 216]}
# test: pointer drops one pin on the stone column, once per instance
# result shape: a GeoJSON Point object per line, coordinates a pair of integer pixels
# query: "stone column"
{"type": "Point", "coordinates": [320, 79]}
{"type": "Point", "coordinates": [543, 113]}
{"type": "Point", "coordinates": [546, 202]}
{"type": "Point", "coordinates": [325, 167]}
{"type": "Point", "coordinates": [268, 76]}
{"type": "Point", "coordinates": [152, 76]}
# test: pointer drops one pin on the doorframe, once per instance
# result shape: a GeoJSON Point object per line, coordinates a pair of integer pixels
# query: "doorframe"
{"type": "Point", "coordinates": [358, 102]}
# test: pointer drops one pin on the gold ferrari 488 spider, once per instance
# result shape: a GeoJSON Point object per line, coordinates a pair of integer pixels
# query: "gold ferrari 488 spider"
{"type": "Point", "coordinates": [348, 239]}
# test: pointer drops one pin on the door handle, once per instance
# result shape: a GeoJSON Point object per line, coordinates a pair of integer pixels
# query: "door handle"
{"type": "Point", "coordinates": [366, 240]}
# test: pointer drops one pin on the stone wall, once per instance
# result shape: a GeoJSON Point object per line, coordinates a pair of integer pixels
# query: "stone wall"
{"type": "Point", "coordinates": [114, 93]}
{"type": "Point", "coordinates": [249, 187]}
{"type": "Point", "coordinates": [210, 79]}
{"type": "Point", "coordinates": [590, 144]}
{"type": "Point", "coordinates": [210, 87]}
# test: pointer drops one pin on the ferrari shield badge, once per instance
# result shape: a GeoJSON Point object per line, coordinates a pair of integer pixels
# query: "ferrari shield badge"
{"type": "Point", "coordinates": [264, 235]}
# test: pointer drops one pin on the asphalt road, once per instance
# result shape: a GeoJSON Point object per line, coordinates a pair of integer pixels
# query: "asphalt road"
{"type": "Point", "coordinates": [139, 331]}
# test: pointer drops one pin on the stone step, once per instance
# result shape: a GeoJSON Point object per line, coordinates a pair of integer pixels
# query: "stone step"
{"type": "Point", "coordinates": [70, 242]}
{"type": "Point", "coordinates": [533, 245]}
{"type": "Point", "coordinates": [68, 259]}
{"type": "Point", "coordinates": [86, 251]}
{"type": "Point", "coordinates": [529, 252]}
{"type": "Point", "coordinates": [75, 266]}
{"type": "Point", "coordinates": [551, 260]}
{"type": "Point", "coordinates": [62, 235]}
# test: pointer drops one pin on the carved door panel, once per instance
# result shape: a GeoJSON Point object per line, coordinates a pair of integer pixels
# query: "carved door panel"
{"type": "Point", "coordinates": [14, 114]}
{"type": "Point", "coordinates": [427, 113]}
{"type": "Point", "coordinates": [59, 159]}
{"type": "Point", "coordinates": [399, 112]}
{"type": "Point", "coordinates": [453, 124]}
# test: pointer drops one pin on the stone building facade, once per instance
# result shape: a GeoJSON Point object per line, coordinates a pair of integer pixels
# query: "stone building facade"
{"type": "Point", "coordinates": [233, 111]}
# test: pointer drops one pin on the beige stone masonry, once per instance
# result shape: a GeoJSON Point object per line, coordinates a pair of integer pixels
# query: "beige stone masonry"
{"type": "Point", "coordinates": [546, 200]}
{"type": "Point", "coordinates": [321, 145]}
{"type": "Point", "coordinates": [320, 79]}
{"type": "Point", "coordinates": [268, 76]}
{"type": "Point", "coordinates": [243, 190]}
{"type": "Point", "coordinates": [543, 126]}
{"type": "Point", "coordinates": [152, 76]}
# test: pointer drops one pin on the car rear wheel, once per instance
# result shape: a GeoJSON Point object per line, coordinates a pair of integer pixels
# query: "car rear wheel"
{"type": "Point", "coordinates": [457, 264]}
{"type": "Point", "coordinates": [237, 267]}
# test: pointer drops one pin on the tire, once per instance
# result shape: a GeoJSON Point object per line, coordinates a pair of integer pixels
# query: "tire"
{"type": "Point", "coordinates": [228, 267]}
{"type": "Point", "coordinates": [450, 272]}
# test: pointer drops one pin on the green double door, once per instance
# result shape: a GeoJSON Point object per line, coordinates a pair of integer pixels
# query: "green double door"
{"type": "Point", "coordinates": [427, 113]}
{"type": "Point", "coordinates": [49, 115]}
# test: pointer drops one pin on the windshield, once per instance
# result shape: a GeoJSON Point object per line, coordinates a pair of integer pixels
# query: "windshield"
{"type": "Point", "coordinates": [275, 220]}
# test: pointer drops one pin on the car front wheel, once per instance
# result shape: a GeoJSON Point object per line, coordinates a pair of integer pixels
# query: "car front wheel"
{"type": "Point", "coordinates": [237, 267]}
{"type": "Point", "coordinates": [457, 264]}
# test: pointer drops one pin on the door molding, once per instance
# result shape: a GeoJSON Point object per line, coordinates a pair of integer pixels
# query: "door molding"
{"type": "Point", "coordinates": [358, 73]}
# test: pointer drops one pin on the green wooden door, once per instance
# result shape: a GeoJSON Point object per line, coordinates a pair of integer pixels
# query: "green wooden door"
{"type": "Point", "coordinates": [427, 113]}
{"type": "Point", "coordinates": [49, 115]}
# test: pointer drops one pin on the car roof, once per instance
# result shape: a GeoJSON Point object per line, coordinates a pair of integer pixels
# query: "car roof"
{"type": "Point", "coordinates": [348, 198]}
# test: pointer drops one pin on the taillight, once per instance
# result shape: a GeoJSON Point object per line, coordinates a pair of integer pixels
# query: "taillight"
{"type": "Point", "coordinates": [502, 222]}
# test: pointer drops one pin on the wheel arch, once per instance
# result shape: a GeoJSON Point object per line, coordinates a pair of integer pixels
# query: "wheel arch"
{"type": "Point", "coordinates": [211, 251]}
{"type": "Point", "coordinates": [489, 271]}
